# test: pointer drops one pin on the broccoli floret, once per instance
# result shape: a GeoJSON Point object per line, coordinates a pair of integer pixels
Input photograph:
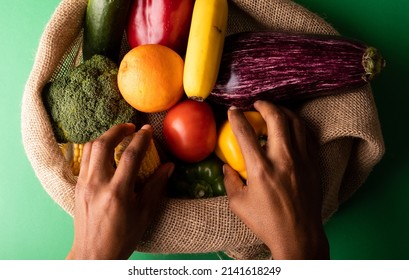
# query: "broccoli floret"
{"type": "Point", "coordinates": [86, 102]}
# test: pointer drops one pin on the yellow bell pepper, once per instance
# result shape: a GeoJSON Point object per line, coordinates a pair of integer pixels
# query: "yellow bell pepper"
{"type": "Point", "coordinates": [227, 148]}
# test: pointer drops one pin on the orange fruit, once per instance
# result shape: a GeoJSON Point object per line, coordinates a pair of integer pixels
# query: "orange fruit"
{"type": "Point", "coordinates": [150, 78]}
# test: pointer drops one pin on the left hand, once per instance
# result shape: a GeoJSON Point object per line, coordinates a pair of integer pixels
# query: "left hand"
{"type": "Point", "coordinates": [109, 216]}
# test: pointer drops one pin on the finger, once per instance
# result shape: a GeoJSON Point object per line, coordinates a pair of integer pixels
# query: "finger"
{"type": "Point", "coordinates": [312, 146]}
{"type": "Point", "coordinates": [152, 193]}
{"type": "Point", "coordinates": [86, 153]}
{"type": "Point", "coordinates": [245, 136]}
{"type": "Point", "coordinates": [298, 132]}
{"type": "Point", "coordinates": [156, 185]}
{"type": "Point", "coordinates": [232, 182]}
{"type": "Point", "coordinates": [279, 136]}
{"type": "Point", "coordinates": [132, 157]}
{"type": "Point", "coordinates": [303, 137]}
{"type": "Point", "coordinates": [102, 150]}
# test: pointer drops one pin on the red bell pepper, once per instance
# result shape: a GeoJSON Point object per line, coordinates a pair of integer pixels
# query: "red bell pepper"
{"type": "Point", "coordinates": [165, 22]}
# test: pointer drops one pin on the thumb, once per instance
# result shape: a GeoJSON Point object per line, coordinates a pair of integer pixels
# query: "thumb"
{"type": "Point", "coordinates": [232, 181]}
{"type": "Point", "coordinates": [154, 189]}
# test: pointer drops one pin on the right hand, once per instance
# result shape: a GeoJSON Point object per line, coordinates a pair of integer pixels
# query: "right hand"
{"type": "Point", "coordinates": [282, 199]}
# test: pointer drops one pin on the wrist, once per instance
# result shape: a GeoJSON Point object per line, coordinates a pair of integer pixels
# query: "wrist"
{"type": "Point", "coordinates": [104, 254]}
{"type": "Point", "coordinates": [312, 245]}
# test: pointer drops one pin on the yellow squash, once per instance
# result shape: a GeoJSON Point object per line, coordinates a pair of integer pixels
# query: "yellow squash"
{"type": "Point", "coordinates": [205, 47]}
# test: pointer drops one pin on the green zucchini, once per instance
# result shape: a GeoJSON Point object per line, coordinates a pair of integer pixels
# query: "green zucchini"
{"type": "Point", "coordinates": [104, 27]}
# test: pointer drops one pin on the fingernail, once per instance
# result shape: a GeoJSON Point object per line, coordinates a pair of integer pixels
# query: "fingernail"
{"type": "Point", "coordinates": [147, 127]}
{"type": "Point", "coordinates": [233, 108]}
{"type": "Point", "coordinates": [171, 169]}
{"type": "Point", "coordinates": [130, 125]}
{"type": "Point", "coordinates": [224, 169]}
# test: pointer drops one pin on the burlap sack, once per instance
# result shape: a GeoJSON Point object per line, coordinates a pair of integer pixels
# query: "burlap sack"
{"type": "Point", "coordinates": [346, 125]}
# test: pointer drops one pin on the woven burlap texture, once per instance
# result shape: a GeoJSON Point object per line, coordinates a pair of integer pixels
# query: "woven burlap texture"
{"type": "Point", "coordinates": [346, 125]}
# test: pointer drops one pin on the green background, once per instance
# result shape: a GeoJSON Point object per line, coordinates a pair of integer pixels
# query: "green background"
{"type": "Point", "coordinates": [373, 224]}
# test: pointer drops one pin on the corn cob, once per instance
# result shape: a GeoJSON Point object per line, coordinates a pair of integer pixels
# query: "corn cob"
{"type": "Point", "coordinates": [150, 162]}
{"type": "Point", "coordinates": [73, 154]}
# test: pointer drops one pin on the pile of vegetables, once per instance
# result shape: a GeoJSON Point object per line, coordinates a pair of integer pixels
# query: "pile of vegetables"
{"type": "Point", "coordinates": [218, 72]}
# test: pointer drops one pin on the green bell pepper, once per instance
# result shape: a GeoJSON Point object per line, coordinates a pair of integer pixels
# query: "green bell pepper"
{"type": "Point", "coordinates": [203, 179]}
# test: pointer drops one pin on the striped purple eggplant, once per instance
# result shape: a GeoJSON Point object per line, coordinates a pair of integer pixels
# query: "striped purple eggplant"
{"type": "Point", "coordinates": [283, 67]}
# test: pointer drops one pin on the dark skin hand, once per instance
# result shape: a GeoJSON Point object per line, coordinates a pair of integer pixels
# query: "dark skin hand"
{"type": "Point", "coordinates": [280, 202]}
{"type": "Point", "coordinates": [110, 217]}
{"type": "Point", "coordinates": [282, 199]}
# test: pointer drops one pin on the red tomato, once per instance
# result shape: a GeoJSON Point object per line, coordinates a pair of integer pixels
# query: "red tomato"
{"type": "Point", "coordinates": [189, 129]}
{"type": "Point", "coordinates": [165, 22]}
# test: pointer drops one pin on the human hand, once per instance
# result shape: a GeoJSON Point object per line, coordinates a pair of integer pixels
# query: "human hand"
{"type": "Point", "coordinates": [110, 216]}
{"type": "Point", "coordinates": [282, 200]}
